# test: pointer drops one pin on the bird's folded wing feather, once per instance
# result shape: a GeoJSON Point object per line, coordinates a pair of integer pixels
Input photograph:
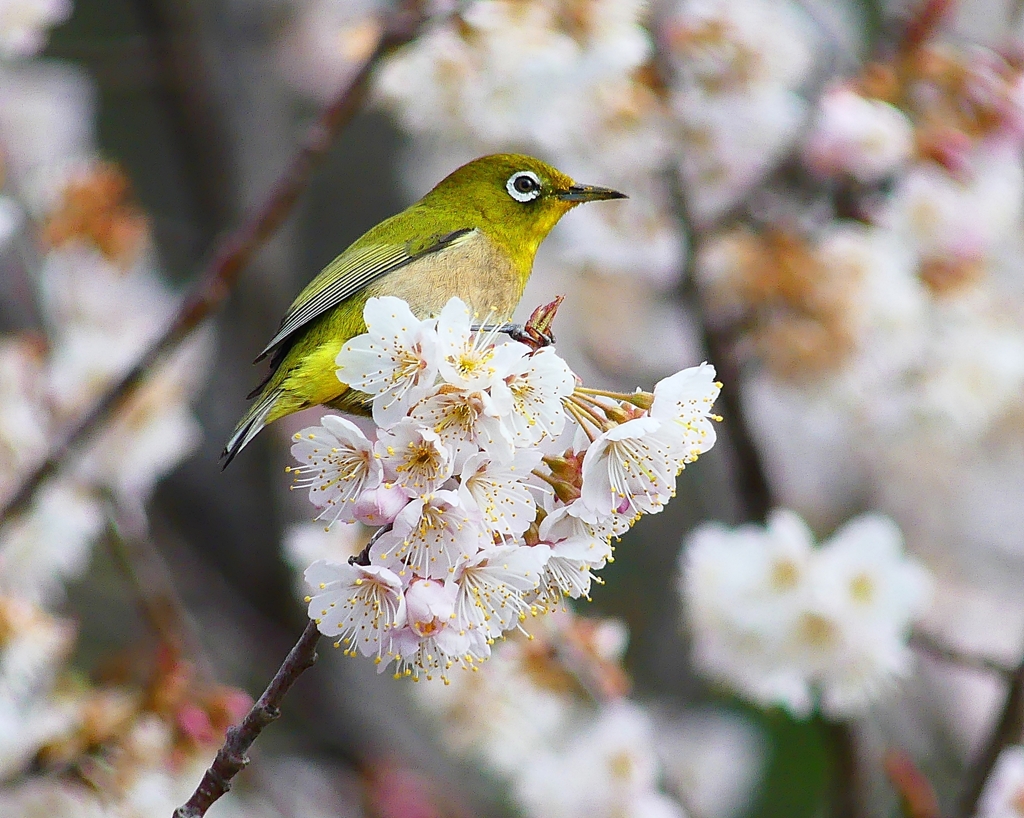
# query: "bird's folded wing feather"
{"type": "Point", "coordinates": [348, 274]}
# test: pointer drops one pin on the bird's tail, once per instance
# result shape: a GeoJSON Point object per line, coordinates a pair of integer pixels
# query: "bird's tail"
{"type": "Point", "coordinates": [250, 425]}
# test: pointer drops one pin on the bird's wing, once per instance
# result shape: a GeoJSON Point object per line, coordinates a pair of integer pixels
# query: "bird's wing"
{"type": "Point", "coordinates": [348, 274]}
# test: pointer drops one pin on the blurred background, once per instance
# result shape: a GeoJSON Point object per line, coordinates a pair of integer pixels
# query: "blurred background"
{"type": "Point", "coordinates": [825, 203]}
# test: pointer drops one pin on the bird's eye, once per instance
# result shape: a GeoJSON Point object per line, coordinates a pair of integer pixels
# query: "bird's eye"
{"type": "Point", "coordinates": [523, 186]}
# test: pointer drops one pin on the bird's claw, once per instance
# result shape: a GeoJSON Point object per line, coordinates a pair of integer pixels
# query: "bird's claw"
{"type": "Point", "coordinates": [529, 335]}
{"type": "Point", "coordinates": [534, 333]}
{"type": "Point", "coordinates": [517, 332]}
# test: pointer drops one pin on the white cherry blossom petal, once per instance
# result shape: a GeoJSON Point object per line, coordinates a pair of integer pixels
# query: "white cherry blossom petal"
{"type": "Point", "coordinates": [360, 604]}
{"type": "Point", "coordinates": [395, 361]}
{"type": "Point", "coordinates": [337, 465]}
{"type": "Point", "coordinates": [686, 399]}
{"type": "Point", "coordinates": [492, 588]}
{"type": "Point", "coordinates": [632, 467]}
{"type": "Point", "coordinates": [500, 493]}
{"type": "Point", "coordinates": [431, 537]}
{"type": "Point", "coordinates": [414, 457]}
{"type": "Point", "coordinates": [531, 395]}
{"type": "Point", "coordinates": [471, 360]}
{"type": "Point", "coordinates": [467, 422]}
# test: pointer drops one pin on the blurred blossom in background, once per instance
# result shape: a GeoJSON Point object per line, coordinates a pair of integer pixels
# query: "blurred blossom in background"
{"type": "Point", "coordinates": [826, 204]}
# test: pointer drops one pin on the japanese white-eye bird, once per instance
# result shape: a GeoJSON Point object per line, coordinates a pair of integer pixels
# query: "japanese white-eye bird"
{"type": "Point", "coordinates": [473, 236]}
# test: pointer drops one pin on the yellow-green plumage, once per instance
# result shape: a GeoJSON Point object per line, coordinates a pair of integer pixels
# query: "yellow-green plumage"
{"type": "Point", "coordinates": [474, 236]}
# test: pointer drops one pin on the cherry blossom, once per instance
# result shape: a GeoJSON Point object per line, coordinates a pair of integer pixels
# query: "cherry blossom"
{"type": "Point", "coordinates": [359, 604]}
{"type": "Point", "coordinates": [786, 622]}
{"type": "Point", "coordinates": [337, 465]}
{"type": "Point", "coordinates": [395, 361]}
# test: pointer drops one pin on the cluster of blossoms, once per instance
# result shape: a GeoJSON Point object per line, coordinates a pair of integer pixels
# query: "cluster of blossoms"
{"type": "Point", "coordinates": [136, 752]}
{"type": "Point", "coordinates": [735, 73]}
{"type": "Point", "coordinates": [79, 263]}
{"type": "Point", "coordinates": [492, 507]}
{"type": "Point", "coordinates": [785, 623]}
{"type": "Point", "coordinates": [102, 302]}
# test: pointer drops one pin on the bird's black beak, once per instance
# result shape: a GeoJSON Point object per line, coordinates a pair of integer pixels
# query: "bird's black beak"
{"type": "Point", "coordinates": [588, 193]}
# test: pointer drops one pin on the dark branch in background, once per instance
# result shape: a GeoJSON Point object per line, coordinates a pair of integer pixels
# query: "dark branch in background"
{"type": "Point", "coordinates": [231, 758]}
{"type": "Point", "coordinates": [184, 85]}
{"type": "Point", "coordinates": [158, 599]}
{"type": "Point", "coordinates": [752, 489]}
{"type": "Point", "coordinates": [930, 646]}
{"type": "Point", "coordinates": [232, 253]}
{"type": "Point", "coordinates": [1007, 730]}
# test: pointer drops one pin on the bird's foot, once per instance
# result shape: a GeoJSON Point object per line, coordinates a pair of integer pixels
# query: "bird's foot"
{"type": "Point", "coordinates": [535, 333]}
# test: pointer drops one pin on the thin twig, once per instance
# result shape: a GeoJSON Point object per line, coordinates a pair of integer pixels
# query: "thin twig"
{"type": "Point", "coordinates": [928, 644]}
{"type": "Point", "coordinates": [231, 758]}
{"type": "Point", "coordinates": [158, 599]}
{"type": "Point", "coordinates": [231, 254]}
{"type": "Point", "coordinates": [1008, 730]}
{"type": "Point", "coordinates": [363, 557]}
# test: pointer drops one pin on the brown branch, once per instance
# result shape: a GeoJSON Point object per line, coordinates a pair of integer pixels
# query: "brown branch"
{"type": "Point", "coordinates": [231, 758]}
{"type": "Point", "coordinates": [363, 557]}
{"type": "Point", "coordinates": [753, 489]}
{"type": "Point", "coordinates": [232, 253]}
{"type": "Point", "coordinates": [927, 644]}
{"type": "Point", "coordinates": [134, 550]}
{"type": "Point", "coordinates": [1008, 730]}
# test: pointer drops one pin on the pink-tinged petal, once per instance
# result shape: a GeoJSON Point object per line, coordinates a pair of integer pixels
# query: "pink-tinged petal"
{"type": "Point", "coordinates": [379, 506]}
{"type": "Point", "coordinates": [336, 465]}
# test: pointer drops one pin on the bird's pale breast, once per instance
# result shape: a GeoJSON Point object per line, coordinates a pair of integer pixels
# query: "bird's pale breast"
{"type": "Point", "coordinates": [474, 269]}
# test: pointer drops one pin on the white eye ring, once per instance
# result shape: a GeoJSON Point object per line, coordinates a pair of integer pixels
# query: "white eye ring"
{"type": "Point", "coordinates": [523, 186]}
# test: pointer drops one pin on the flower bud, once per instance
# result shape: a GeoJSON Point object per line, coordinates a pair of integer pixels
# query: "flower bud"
{"type": "Point", "coordinates": [430, 605]}
{"type": "Point", "coordinates": [379, 506]}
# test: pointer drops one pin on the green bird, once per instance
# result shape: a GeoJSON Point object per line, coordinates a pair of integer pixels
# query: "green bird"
{"type": "Point", "coordinates": [474, 236]}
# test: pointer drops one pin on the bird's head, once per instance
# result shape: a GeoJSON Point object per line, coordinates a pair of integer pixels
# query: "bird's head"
{"type": "Point", "coordinates": [516, 199]}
